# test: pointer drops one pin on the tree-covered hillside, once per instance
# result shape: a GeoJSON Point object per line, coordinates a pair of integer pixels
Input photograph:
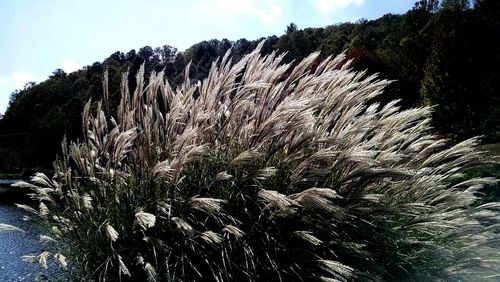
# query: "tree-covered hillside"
{"type": "Point", "coordinates": [442, 54]}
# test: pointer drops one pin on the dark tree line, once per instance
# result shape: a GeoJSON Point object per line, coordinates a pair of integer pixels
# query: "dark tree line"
{"type": "Point", "coordinates": [440, 53]}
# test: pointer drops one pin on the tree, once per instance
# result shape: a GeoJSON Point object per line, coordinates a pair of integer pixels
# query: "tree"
{"type": "Point", "coordinates": [167, 53]}
{"type": "Point", "coordinates": [131, 55]}
{"type": "Point", "coordinates": [459, 5]}
{"type": "Point", "coordinates": [146, 52]}
{"type": "Point", "coordinates": [488, 6]}
{"type": "Point", "coordinates": [58, 73]}
{"type": "Point", "coordinates": [461, 75]}
{"type": "Point", "coordinates": [427, 5]}
{"type": "Point", "coordinates": [117, 56]}
{"type": "Point", "coordinates": [291, 28]}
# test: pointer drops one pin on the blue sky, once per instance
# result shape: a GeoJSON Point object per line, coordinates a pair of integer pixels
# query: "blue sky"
{"type": "Point", "coordinates": [37, 37]}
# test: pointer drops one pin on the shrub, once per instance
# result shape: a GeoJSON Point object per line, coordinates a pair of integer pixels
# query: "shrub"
{"type": "Point", "coordinates": [267, 172]}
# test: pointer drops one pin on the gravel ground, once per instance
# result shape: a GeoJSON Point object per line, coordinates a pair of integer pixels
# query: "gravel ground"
{"type": "Point", "coordinates": [13, 245]}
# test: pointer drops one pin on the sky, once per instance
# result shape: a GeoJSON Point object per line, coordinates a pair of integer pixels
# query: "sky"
{"type": "Point", "coordinates": [38, 37]}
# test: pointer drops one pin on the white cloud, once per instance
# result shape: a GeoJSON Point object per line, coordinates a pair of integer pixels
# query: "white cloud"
{"type": "Point", "coordinates": [328, 5]}
{"type": "Point", "coordinates": [21, 78]}
{"type": "Point", "coordinates": [3, 80]}
{"type": "Point", "coordinates": [69, 66]}
{"type": "Point", "coordinates": [267, 11]}
{"type": "Point", "coordinates": [272, 16]}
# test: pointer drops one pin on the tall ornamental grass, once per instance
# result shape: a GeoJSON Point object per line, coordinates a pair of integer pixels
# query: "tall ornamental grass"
{"type": "Point", "coordinates": [266, 171]}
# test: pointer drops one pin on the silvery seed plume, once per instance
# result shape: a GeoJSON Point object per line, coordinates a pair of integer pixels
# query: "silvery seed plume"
{"type": "Point", "coordinates": [42, 259]}
{"type": "Point", "coordinates": [207, 205]}
{"type": "Point", "coordinates": [61, 260]}
{"type": "Point", "coordinates": [145, 220]}
{"type": "Point", "coordinates": [211, 237]}
{"type": "Point", "coordinates": [231, 229]}
{"type": "Point", "coordinates": [111, 232]}
{"type": "Point", "coordinates": [8, 227]}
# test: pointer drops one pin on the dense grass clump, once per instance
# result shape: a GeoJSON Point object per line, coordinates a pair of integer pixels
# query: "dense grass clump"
{"type": "Point", "coordinates": [267, 172]}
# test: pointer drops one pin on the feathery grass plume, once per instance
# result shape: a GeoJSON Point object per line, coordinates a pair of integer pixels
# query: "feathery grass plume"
{"type": "Point", "coordinates": [207, 205]}
{"type": "Point", "coordinates": [182, 225]}
{"type": "Point", "coordinates": [308, 237]}
{"type": "Point", "coordinates": [211, 237]}
{"type": "Point", "coordinates": [145, 220]}
{"type": "Point", "coordinates": [27, 208]}
{"type": "Point", "coordinates": [151, 272]}
{"type": "Point", "coordinates": [276, 200]}
{"type": "Point", "coordinates": [231, 229]}
{"type": "Point", "coordinates": [30, 258]}
{"type": "Point", "coordinates": [42, 180]}
{"type": "Point", "coordinates": [44, 210]}
{"type": "Point", "coordinates": [22, 184]}
{"type": "Point", "coordinates": [44, 239]}
{"type": "Point", "coordinates": [265, 173]}
{"type": "Point", "coordinates": [339, 270]}
{"type": "Point", "coordinates": [123, 268]}
{"type": "Point", "coordinates": [61, 260]}
{"type": "Point", "coordinates": [86, 201]}
{"type": "Point", "coordinates": [223, 176]}
{"type": "Point", "coordinates": [42, 259]}
{"type": "Point", "coordinates": [111, 232]}
{"type": "Point", "coordinates": [306, 177]}
{"type": "Point", "coordinates": [8, 227]}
